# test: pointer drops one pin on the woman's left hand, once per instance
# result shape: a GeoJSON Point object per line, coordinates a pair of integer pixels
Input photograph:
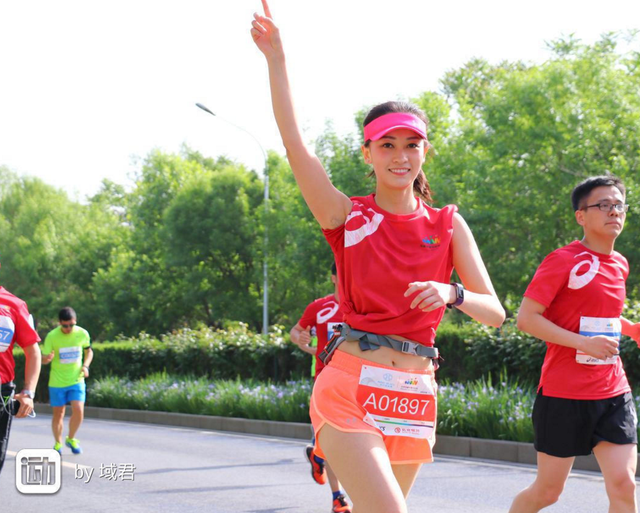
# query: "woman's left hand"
{"type": "Point", "coordinates": [432, 295]}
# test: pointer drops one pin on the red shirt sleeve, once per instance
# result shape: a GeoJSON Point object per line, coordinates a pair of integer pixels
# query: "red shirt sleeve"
{"type": "Point", "coordinates": [25, 335]}
{"type": "Point", "coordinates": [309, 317]}
{"type": "Point", "coordinates": [549, 279]}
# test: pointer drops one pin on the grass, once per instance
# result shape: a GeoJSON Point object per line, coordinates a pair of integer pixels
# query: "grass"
{"type": "Point", "coordinates": [160, 392]}
{"type": "Point", "coordinates": [478, 409]}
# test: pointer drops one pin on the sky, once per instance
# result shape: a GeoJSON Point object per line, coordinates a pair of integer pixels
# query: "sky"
{"type": "Point", "coordinates": [88, 88]}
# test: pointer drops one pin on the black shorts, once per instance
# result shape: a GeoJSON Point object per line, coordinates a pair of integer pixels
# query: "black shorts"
{"type": "Point", "coordinates": [6, 389]}
{"type": "Point", "coordinates": [573, 427]}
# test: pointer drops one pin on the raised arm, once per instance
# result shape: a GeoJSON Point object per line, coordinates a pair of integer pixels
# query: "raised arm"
{"type": "Point", "coordinates": [329, 206]}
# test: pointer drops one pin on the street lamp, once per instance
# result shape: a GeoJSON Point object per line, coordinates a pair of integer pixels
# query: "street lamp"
{"type": "Point", "coordinates": [265, 301]}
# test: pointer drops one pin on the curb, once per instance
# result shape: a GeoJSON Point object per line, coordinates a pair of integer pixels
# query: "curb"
{"type": "Point", "coordinates": [460, 446]}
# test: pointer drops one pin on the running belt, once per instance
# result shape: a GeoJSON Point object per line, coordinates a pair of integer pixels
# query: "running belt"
{"type": "Point", "coordinates": [372, 341]}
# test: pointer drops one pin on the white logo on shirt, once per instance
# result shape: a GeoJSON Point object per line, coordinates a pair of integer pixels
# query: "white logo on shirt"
{"type": "Point", "coordinates": [353, 237]}
{"type": "Point", "coordinates": [577, 282]}
{"type": "Point", "coordinates": [327, 312]}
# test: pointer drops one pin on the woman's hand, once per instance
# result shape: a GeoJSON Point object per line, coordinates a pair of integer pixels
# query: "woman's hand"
{"type": "Point", "coordinates": [433, 295]}
{"type": "Point", "coordinates": [265, 34]}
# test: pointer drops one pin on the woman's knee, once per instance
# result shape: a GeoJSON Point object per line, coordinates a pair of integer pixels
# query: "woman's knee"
{"type": "Point", "coordinates": [547, 495]}
{"type": "Point", "coordinates": [381, 505]}
{"type": "Point", "coordinates": [622, 486]}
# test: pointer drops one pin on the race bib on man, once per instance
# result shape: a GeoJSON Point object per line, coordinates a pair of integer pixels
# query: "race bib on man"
{"type": "Point", "coordinates": [7, 329]}
{"type": "Point", "coordinates": [398, 403]}
{"type": "Point", "coordinates": [593, 326]}
{"type": "Point", "coordinates": [69, 354]}
{"type": "Point", "coordinates": [332, 328]}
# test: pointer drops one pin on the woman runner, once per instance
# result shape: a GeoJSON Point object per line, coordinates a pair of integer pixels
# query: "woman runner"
{"type": "Point", "coordinates": [373, 407]}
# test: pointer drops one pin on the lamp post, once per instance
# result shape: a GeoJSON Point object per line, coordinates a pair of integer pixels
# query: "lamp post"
{"type": "Point", "coordinates": [265, 297]}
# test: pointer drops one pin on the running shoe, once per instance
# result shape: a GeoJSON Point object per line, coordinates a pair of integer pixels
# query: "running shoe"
{"type": "Point", "coordinates": [58, 447]}
{"type": "Point", "coordinates": [340, 505]}
{"type": "Point", "coordinates": [74, 445]}
{"type": "Point", "coordinates": [318, 473]}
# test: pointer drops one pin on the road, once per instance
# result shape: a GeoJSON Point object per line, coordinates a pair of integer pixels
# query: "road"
{"type": "Point", "coordinates": [184, 469]}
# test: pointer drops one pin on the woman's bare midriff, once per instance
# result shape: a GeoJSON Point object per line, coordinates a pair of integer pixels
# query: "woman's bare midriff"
{"type": "Point", "coordinates": [386, 356]}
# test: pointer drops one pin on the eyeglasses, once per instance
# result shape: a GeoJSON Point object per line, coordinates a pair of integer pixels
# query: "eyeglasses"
{"type": "Point", "coordinates": [608, 207]}
{"type": "Point", "coordinates": [67, 326]}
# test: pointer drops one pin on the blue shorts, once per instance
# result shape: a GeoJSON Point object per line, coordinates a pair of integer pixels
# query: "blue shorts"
{"type": "Point", "coordinates": [61, 396]}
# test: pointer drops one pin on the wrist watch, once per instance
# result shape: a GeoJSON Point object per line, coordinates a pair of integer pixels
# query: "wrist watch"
{"type": "Point", "coordinates": [459, 295]}
{"type": "Point", "coordinates": [28, 393]}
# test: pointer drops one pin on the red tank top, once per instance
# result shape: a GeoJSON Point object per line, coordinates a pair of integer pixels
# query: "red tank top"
{"type": "Point", "coordinates": [378, 254]}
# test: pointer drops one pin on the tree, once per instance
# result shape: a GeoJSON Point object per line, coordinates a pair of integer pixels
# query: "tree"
{"type": "Point", "coordinates": [525, 135]}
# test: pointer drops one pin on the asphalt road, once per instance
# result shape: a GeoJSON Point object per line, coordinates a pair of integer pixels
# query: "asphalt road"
{"type": "Point", "coordinates": [192, 470]}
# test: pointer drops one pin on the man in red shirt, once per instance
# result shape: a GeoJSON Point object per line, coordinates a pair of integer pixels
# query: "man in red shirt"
{"type": "Point", "coordinates": [584, 401]}
{"type": "Point", "coordinates": [323, 315]}
{"type": "Point", "coordinates": [16, 325]}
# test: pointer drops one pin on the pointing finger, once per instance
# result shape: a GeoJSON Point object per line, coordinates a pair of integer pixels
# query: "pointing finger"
{"type": "Point", "coordinates": [267, 11]}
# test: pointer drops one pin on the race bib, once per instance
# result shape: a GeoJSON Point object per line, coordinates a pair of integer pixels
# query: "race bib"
{"type": "Point", "coordinates": [7, 329]}
{"type": "Point", "coordinates": [398, 403]}
{"type": "Point", "coordinates": [332, 327]}
{"type": "Point", "coordinates": [593, 326]}
{"type": "Point", "coordinates": [69, 355]}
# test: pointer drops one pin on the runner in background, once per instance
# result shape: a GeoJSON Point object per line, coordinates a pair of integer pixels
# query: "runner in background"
{"type": "Point", "coordinates": [64, 347]}
{"type": "Point", "coordinates": [584, 403]}
{"type": "Point", "coordinates": [321, 316]}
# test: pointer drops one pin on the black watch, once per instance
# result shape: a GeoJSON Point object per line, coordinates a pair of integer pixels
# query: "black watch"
{"type": "Point", "coordinates": [459, 295]}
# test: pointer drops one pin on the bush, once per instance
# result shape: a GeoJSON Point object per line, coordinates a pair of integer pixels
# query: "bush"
{"type": "Point", "coordinates": [188, 394]}
{"type": "Point", "coordinates": [233, 353]}
{"type": "Point", "coordinates": [481, 409]}
{"type": "Point", "coordinates": [470, 351]}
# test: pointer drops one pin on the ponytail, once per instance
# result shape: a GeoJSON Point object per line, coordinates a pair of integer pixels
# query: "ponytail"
{"type": "Point", "coordinates": [421, 187]}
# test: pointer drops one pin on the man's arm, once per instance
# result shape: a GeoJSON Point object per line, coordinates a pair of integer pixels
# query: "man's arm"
{"type": "Point", "coordinates": [531, 320]}
{"type": "Point", "coordinates": [302, 338]}
{"type": "Point", "coordinates": [46, 359]}
{"type": "Point", "coordinates": [630, 329]}
{"type": "Point", "coordinates": [31, 375]}
{"type": "Point", "coordinates": [88, 358]}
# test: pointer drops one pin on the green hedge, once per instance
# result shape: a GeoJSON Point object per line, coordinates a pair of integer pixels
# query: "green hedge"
{"type": "Point", "coordinates": [232, 353]}
{"type": "Point", "coordinates": [470, 351]}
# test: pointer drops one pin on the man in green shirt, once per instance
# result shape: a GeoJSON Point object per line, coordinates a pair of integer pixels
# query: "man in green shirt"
{"type": "Point", "coordinates": [64, 347]}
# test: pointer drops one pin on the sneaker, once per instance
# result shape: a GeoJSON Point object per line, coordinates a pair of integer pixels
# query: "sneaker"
{"type": "Point", "coordinates": [74, 445]}
{"type": "Point", "coordinates": [58, 447]}
{"type": "Point", "coordinates": [318, 473]}
{"type": "Point", "coordinates": [340, 505]}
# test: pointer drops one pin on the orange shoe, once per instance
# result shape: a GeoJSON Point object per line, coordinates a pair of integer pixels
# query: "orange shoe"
{"type": "Point", "coordinates": [340, 505]}
{"type": "Point", "coordinates": [318, 473]}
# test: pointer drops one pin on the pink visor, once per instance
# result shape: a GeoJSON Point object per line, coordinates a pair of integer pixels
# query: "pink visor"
{"type": "Point", "coordinates": [384, 124]}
